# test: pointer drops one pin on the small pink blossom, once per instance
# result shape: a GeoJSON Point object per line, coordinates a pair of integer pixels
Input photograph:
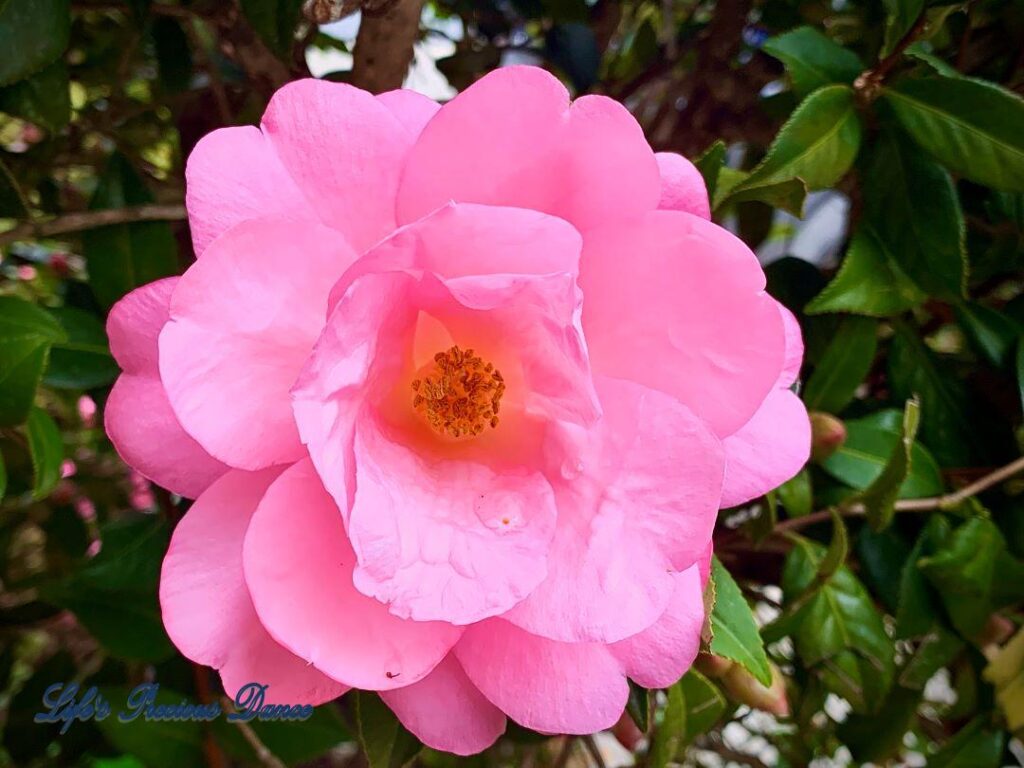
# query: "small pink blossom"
{"type": "Point", "coordinates": [68, 468]}
{"type": "Point", "coordinates": [87, 410]}
{"type": "Point", "coordinates": [459, 392]}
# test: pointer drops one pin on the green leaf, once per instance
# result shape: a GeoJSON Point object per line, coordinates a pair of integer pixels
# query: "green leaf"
{"type": "Point", "coordinates": [788, 194]}
{"type": "Point", "coordinates": [796, 494]}
{"type": "Point", "coordinates": [694, 706]}
{"type": "Point", "coordinates": [735, 635]}
{"type": "Point", "coordinates": [157, 743]}
{"type": "Point", "coordinates": [710, 165]}
{"type": "Point", "coordinates": [946, 423]}
{"type": "Point", "coordinates": [900, 17]}
{"type": "Point", "coordinates": [916, 607]}
{"type": "Point", "coordinates": [32, 34]}
{"type": "Point", "coordinates": [26, 334]}
{"type": "Point", "coordinates": [83, 360]}
{"type": "Point", "coordinates": [817, 144]}
{"type": "Point", "coordinates": [835, 627]}
{"type": "Point", "coordinates": [122, 257]}
{"type": "Point", "coordinates": [838, 548]}
{"type": "Point", "coordinates": [294, 742]}
{"type": "Point", "coordinates": [274, 21]}
{"type": "Point", "coordinates": [173, 54]}
{"type": "Point", "coordinates": [813, 60]}
{"type": "Point", "coordinates": [43, 99]}
{"type": "Point", "coordinates": [880, 497]}
{"type": "Point", "coordinates": [861, 460]}
{"type": "Point", "coordinates": [962, 573]}
{"type": "Point", "coordinates": [912, 206]}
{"type": "Point", "coordinates": [973, 127]}
{"type": "Point", "coordinates": [12, 199]}
{"type": "Point", "coordinates": [938, 649]}
{"type": "Point", "coordinates": [869, 282]}
{"type": "Point", "coordinates": [878, 737]}
{"type": "Point", "coordinates": [115, 594]}
{"type": "Point", "coordinates": [385, 742]}
{"type": "Point", "coordinates": [843, 367]}
{"type": "Point", "coordinates": [991, 331]}
{"type": "Point", "coordinates": [46, 447]}
{"type": "Point", "coordinates": [974, 746]}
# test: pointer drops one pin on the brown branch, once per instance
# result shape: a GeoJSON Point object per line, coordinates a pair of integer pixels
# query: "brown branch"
{"type": "Point", "coordinates": [77, 222]}
{"type": "Point", "coordinates": [267, 758]}
{"type": "Point", "coordinates": [384, 45]}
{"type": "Point", "coordinates": [869, 83]}
{"type": "Point", "coordinates": [930, 504]}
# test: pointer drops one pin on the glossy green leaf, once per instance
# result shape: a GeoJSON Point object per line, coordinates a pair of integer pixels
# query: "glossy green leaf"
{"type": "Point", "coordinates": [992, 332]}
{"type": "Point", "coordinates": [880, 497]}
{"type": "Point", "coordinates": [787, 194]}
{"type": "Point", "coordinates": [639, 706]}
{"type": "Point", "coordinates": [836, 628]}
{"type": "Point", "coordinates": [917, 606]}
{"type": "Point", "coordinates": [947, 427]}
{"type": "Point", "coordinates": [838, 547]}
{"type": "Point", "coordinates": [869, 282]}
{"type": "Point", "coordinates": [384, 741]}
{"type": "Point", "coordinates": [46, 447]}
{"type": "Point", "coordinates": [972, 127]}
{"type": "Point", "coordinates": [843, 367]}
{"type": "Point", "coordinates": [813, 60]}
{"type": "Point", "coordinates": [669, 735]}
{"type": "Point", "coordinates": [115, 594]}
{"type": "Point", "coordinates": [734, 632]}
{"type": "Point", "coordinates": [274, 21]}
{"type": "Point", "coordinates": [817, 144]}
{"type": "Point", "coordinates": [962, 573]}
{"type": "Point", "coordinates": [26, 334]}
{"type": "Point", "coordinates": [796, 494]}
{"type": "Point", "coordinates": [861, 460]}
{"type": "Point", "coordinates": [974, 746]}
{"type": "Point", "coordinates": [122, 257]}
{"type": "Point", "coordinates": [694, 706]}
{"type": "Point", "coordinates": [900, 16]}
{"type": "Point", "coordinates": [83, 360]}
{"type": "Point", "coordinates": [710, 165]}
{"type": "Point", "coordinates": [32, 34]}
{"type": "Point", "coordinates": [914, 210]}
{"type": "Point", "coordinates": [43, 99]}
{"type": "Point", "coordinates": [937, 650]}
{"type": "Point", "coordinates": [878, 737]}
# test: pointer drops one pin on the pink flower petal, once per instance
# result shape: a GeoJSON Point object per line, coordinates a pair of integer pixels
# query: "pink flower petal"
{"type": "Point", "coordinates": [543, 684]}
{"type": "Point", "coordinates": [445, 711]}
{"type": "Point", "coordinates": [243, 320]}
{"type": "Point", "coordinates": [137, 416]}
{"type": "Point", "coordinates": [678, 304]}
{"type": "Point", "coordinates": [449, 540]}
{"type": "Point", "coordinates": [768, 450]}
{"type": "Point", "coordinates": [233, 175]}
{"type": "Point", "coordinates": [682, 186]}
{"type": "Point", "coordinates": [661, 654]}
{"type": "Point", "coordinates": [412, 109]}
{"type": "Point", "coordinates": [206, 606]}
{"type": "Point", "coordinates": [794, 348]}
{"type": "Point", "coordinates": [345, 149]}
{"type": "Point", "coordinates": [512, 139]}
{"type": "Point", "coordinates": [298, 565]}
{"type": "Point", "coordinates": [641, 503]}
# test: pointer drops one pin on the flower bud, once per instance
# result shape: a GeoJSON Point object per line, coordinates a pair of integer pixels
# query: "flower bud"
{"type": "Point", "coordinates": [743, 688]}
{"type": "Point", "coordinates": [827, 435]}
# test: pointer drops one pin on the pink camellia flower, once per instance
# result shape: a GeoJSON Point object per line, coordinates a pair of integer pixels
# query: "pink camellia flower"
{"type": "Point", "coordinates": [459, 391]}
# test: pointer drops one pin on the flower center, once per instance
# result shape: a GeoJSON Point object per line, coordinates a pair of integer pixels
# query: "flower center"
{"type": "Point", "coordinates": [460, 395]}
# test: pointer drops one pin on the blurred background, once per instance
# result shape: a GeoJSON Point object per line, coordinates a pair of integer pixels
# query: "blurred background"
{"type": "Point", "coordinates": [871, 153]}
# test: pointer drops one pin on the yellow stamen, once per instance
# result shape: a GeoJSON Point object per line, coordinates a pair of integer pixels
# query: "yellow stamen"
{"type": "Point", "coordinates": [461, 395]}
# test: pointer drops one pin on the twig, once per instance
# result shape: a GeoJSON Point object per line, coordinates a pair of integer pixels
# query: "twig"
{"type": "Point", "coordinates": [76, 222]}
{"type": "Point", "coordinates": [384, 45]}
{"type": "Point", "coordinates": [869, 83]}
{"type": "Point", "coordinates": [214, 757]}
{"type": "Point", "coordinates": [946, 501]}
{"type": "Point", "coordinates": [267, 758]}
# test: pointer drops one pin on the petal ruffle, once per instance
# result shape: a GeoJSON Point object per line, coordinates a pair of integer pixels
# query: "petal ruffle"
{"type": "Point", "coordinates": [513, 139]}
{"type": "Point", "coordinates": [243, 320]}
{"type": "Point", "coordinates": [682, 186]}
{"type": "Point", "coordinates": [206, 606]}
{"type": "Point", "coordinates": [445, 711]}
{"type": "Point", "coordinates": [677, 303]}
{"type": "Point", "coordinates": [412, 109]}
{"type": "Point", "coordinates": [137, 416]}
{"type": "Point", "coordinates": [298, 566]}
{"type": "Point", "coordinates": [640, 504]}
